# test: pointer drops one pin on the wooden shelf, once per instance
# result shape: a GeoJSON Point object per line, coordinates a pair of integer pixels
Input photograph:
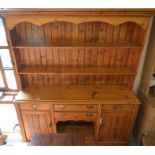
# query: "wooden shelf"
{"type": "Point", "coordinates": [76, 45]}
{"type": "Point", "coordinates": [77, 93]}
{"type": "Point", "coordinates": [75, 70]}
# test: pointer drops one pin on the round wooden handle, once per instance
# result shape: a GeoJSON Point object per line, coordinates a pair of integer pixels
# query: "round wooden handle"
{"type": "Point", "coordinates": [118, 107]}
{"type": "Point", "coordinates": [89, 115]}
{"type": "Point", "coordinates": [62, 114]}
{"type": "Point", "coordinates": [34, 106]}
{"type": "Point", "coordinates": [90, 106]}
{"type": "Point", "coordinates": [61, 106]}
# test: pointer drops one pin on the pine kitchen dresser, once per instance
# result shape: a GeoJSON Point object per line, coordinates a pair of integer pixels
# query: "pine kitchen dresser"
{"type": "Point", "coordinates": [75, 69]}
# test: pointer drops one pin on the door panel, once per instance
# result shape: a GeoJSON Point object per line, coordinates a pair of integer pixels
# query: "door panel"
{"type": "Point", "coordinates": [36, 122]}
{"type": "Point", "coordinates": [115, 126]}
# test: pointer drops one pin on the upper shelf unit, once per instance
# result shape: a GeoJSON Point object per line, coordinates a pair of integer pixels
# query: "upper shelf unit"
{"type": "Point", "coordinates": [88, 53]}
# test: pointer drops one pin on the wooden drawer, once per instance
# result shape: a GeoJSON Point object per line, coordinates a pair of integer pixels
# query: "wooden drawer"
{"type": "Point", "coordinates": [116, 108]}
{"type": "Point", "coordinates": [75, 107]}
{"type": "Point", "coordinates": [34, 106]}
{"type": "Point", "coordinates": [75, 115]}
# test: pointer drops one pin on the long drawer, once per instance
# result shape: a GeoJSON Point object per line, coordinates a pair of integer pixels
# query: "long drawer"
{"type": "Point", "coordinates": [34, 106]}
{"type": "Point", "coordinates": [116, 108]}
{"type": "Point", "coordinates": [75, 107]}
{"type": "Point", "coordinates": [74, 115]}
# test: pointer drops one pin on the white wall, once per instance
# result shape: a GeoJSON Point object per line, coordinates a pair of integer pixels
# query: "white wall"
{"type": "Point", "coordinates": [141, 63]}
{"type": "Point", "coordinates": [8, 117]}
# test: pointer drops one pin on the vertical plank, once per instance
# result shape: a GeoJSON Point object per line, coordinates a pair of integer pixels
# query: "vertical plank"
{"type": "Point", "coordinates": [100, 56]}
{"type": "Point", "coordinates": [68, 57]}
{"type": "Point", "coordinates": [81, 57]}
{"type": "Point", "coordinates": [116, 34]}
{"type": "Point", "coordinates": [23, 32]}
{"type": "Point", "coordinates": [113, 54]}
{"type": "Point", "coordinates": [41, 35]}
{"type": "Point", "coordinates": [118, 59]}
{"type": "Point", "coordinates": [55, 37]}
{"type": "Point", "coordinates": [69, 34]}
{"type": "Point", "coordinates": [74, 57]}
{"type": "Point", "coordinates": [29, 33]}
{"type": "Point", "coordinates": [106, 59]}
{"type": "Point", "coordinates": [74, 34]}
{"type": "Point", "coordinates": [81, 33]}
{"type": "Point", "coordinates": [43, 58]}
{"type": "Point", "coordinates": [88, 32]}
{"type": "Point", "coordinates": [123, 33]}
{"type": "Point", "coordinates": [109, 34]}
{"type": "Point", "coordinates": [102, 33]}
{"type": "Point", "coordinates": [32, 57]}
{"type": "Point", "coordinates": [87, 57]}
{"type": "Point", "coordinates": [95, 32]}
{"type": "Point", "coordinates": [18, 35]}
{"type": "Point", "coordinates": [62, 57]}
{"type": "Point", "coordinates": [130, 31]}
{"type": "Point", "coordinates": [93, 59]}
{"type": "Point", "coordinates": [56, 57]}
{"type": "Point", "coordinates": [47, 34]}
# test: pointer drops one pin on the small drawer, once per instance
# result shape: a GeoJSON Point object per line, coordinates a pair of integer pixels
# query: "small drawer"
{"type": "Point", "coordinates": [75, 107]}
{"type": "Point", "coordinates": [34, 106]}
{"type": "Point", "coordinates": [75, 116]}
{"type": "Point", "coordinates": [116, 108]}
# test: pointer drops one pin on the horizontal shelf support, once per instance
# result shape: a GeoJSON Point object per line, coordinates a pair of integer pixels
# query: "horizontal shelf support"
{"type": "Point", "coordinates": [78, 46]}
{"type": "Point", "coordinates": [79, 71]}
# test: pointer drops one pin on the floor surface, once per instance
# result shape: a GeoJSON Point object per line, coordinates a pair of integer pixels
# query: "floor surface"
{"type": "Point", "coordinates": [15, 139]}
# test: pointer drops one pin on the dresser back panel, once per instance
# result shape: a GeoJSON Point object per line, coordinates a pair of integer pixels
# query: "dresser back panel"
{"type": "Point", "coordinates": [86, 45]}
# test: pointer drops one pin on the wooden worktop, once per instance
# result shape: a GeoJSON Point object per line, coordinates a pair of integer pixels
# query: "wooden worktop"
{"type": "Point", "coordinates": [76, 93]}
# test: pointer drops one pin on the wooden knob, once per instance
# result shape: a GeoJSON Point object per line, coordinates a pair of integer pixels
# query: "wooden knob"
{"type": "Point", "coordinates": [118, 107]}
{"type": "Point", "coordinates": [89, 115]}
{"type": "Point", "coordinates": [90, 106]}
{"type": "Point", "coordinates": [61, 106]}
{"type": "Point", "coordinates": [62, 114]}
{"type": "Point", "coordinates": [34, 106]}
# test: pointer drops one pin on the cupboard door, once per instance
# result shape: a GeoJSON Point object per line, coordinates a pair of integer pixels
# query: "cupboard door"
{"type": "Point", "coordinates": [36, 122]}
{"type": "Point", "coordinates": [115, 127]}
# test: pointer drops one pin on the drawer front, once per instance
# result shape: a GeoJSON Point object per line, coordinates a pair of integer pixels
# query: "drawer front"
{"type": "Point", "coordinates": [75, 107]}
{"type": "Point", "coordinates": [116, 108]}
{"type": "Point", "coordinates": [71, 115]}
{"type": "Point", "coordinates": [34, 106]}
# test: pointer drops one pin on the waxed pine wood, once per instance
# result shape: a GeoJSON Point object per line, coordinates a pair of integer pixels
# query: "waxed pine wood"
{"type": "Point", "coordinates": [78, 59]}
{"type": "Point", "coordinates": [36, 122]}
{"type": "Point", "coordinates": [91, 94]}
{"type": "Point", "coordinates": [78, 48]}
{"type": "Point", "coordinates": [115, 123]}
{"type": "Point", "coordinates": [60, 33]}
